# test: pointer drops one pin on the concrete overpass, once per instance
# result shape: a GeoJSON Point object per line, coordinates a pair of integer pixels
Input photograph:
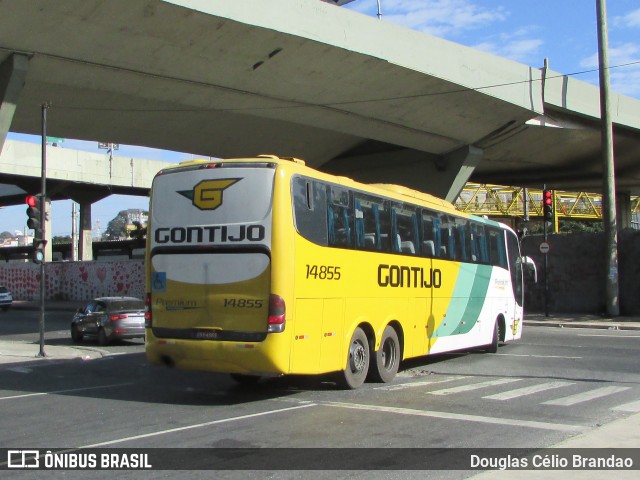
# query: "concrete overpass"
{"type": "Point", "coordinates": [350, 94]}
{"type": "Point", "coordinates": [83, 177]}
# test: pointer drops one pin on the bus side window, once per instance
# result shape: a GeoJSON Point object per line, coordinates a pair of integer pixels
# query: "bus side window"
{"type": "Point", "coordinates": [446, 239]}
{"type": "Point", "coordinates": [383, 226]}
{"type": "Point", "coordinates": [430, 235]}
{"type": "Point", "coordinates": [340, 218]}
{"type": "Point", "coordinates": [404, 229]}
{"type": "Point", "coordinates": [310, 205]}
{"type": "Point", "coordinates": [479, 251]}
{"type": "Point", "coordinates": [372, 223]}
{"type": "Point", "coordinates": [359, 220]}
{"type": "Point", "coordinates": [482, 243]}
{"type": "Point", "coordinates": [462, 240]}
{"type": "Point", "coordinates": [496, 248]}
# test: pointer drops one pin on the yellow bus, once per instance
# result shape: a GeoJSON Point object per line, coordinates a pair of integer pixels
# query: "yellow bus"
{"type": "Point", "coordinates": [266, 267]}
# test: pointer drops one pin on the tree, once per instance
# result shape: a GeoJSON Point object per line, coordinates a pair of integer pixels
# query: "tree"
{"type": "Point", "coordinates": [117, 227]}
{"type": "Point", "coordinates": [139, 232]}
{"type": "Point", "coordinates": [61, 239]}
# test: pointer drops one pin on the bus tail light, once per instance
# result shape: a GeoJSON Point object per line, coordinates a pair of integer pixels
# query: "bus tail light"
{"type": "Point", "coordinates": [147, 311]}
{"type": "Point", "coordinates": [276, 321]}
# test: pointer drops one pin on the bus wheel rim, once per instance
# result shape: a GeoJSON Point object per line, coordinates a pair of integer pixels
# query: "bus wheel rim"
{"type": "Point", "coordinates": [357, 357]}
{"type": "Point", "coordinates": [388, 355]}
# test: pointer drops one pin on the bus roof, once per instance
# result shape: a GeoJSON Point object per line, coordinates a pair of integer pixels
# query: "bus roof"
{"type": "Point", "coordinates": [398, 191]}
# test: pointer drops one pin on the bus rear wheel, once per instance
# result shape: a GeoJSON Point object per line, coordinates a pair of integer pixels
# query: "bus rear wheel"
{"type": "Point", "coordinates": [355, 373]}
{"type": "Point", "coordinates": [386, 360]}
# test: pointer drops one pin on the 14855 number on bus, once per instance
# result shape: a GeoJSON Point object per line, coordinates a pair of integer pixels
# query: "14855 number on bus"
{"type": "Point", "coordinates": [323, 272]}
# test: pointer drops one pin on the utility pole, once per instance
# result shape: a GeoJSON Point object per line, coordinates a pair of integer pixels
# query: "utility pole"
{"type": "Point", "coordinates": [379, 11]}
{"type": "Point", "coordinates": [608, 167]}
{"type": "Point", "coordinates": [43, 224]}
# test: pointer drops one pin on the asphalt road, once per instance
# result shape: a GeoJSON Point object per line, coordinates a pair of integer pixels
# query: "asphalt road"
{"type": "Point", "coordinates": [551, 385]}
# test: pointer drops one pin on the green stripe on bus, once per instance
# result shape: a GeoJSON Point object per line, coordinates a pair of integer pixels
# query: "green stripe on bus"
{"type": "Point", "coordinates": [467, 300]}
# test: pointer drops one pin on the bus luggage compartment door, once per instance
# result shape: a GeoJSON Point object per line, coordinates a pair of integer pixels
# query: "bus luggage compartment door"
{"type": "Point", "coordinates": [215, 296]}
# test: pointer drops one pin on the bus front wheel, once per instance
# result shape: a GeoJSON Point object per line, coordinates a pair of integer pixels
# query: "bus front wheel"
{"type": "Point", "coordinates": [387, 359]}
{"type": "Point", "coordinates": [495, 341]}
{"type": "Point", "coordinates": [357, 367]}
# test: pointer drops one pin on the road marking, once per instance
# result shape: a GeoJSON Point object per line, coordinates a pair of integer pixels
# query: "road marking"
{"type": "Point", "coordinates": [20, 369]}
{"type": "Point", "coordinates": [197, 425]}
{"type": "Point", "coordinates": [521, 392]}
{"type": "Point", "coordinates": [585, 396]}
{"type": "Point", "coordinates": [462, 417]}
{"type": "Point", "coordinates": [423, 383]}
{"type": "Point", "coordinates": [533, 356]}
{"type": "Point", "coordinates": [65, 391]}
{"type": "Point", "coordinates": [628, 407]}
{"type": "Point", "coordinates": [474, 386]}
{"type": "Point", "coordinates": [609, 335]}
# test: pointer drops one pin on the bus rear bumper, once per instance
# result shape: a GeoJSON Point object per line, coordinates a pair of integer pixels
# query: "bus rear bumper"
{"type": "Point", "coordinates": [259, 358]}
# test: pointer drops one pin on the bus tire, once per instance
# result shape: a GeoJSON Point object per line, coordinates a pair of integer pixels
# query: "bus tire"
{"type": "Point", "coordinates": [386, 360]}
{"type": "Point", "coordinates": [495, 342]}
{"type": "Point", "coordinates": [355, 372]}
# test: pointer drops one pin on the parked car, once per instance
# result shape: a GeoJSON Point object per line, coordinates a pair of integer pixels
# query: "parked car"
{"type": "Point", "coordinates": [109, 318]}
{"type": "Point", "coordinates": [6, 299]}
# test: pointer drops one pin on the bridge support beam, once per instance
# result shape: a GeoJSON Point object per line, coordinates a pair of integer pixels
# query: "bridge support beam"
{"type": "Point", "coordinates": [456, 168]}
{"type": "Point", "coordinates": [443, 176]}
{"type": "Point", "coordinates": [13, 72]}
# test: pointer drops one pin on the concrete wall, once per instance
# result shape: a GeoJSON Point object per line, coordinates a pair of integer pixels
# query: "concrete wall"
{"type": "Point", "coordinates": [576, 276]}
{"type": "Point", "coordinates": [75, 281]}
{"type": "Point", "coordinates": [576, 273]}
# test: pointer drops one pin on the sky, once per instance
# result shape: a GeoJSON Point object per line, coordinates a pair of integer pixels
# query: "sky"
{"type": "Point", "coordinates": [563, 31]}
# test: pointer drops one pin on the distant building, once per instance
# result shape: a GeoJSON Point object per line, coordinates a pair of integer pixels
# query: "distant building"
{"type": "Point", "coordinates": [134, 215]}
{"type": "Point", "coordinates": [7, 239]}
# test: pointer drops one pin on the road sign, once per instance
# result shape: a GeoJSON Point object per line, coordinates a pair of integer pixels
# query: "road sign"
{"type": "Point", "coordinates": [55, 140]}
{"type": "Point", "coordinates": [108, 146]}
{"type": "Point", "coordinates": [544, 247]}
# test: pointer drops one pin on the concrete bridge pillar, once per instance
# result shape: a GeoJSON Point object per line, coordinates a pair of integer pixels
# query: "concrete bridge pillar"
{"type": "Point", "coordinates": [623, 210]}
{"type": "Point", "coordinates": [85, 238]}
{"type": "Point", "coordinates": [13, 72]}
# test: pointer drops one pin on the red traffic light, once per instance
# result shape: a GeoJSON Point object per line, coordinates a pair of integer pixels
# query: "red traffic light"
{"type": "Point", "coordinates": [547, 204]}
{"type": "Point", "coordinates": [31, 200]}
{"type": "Point", "coordinates": [34, 221]}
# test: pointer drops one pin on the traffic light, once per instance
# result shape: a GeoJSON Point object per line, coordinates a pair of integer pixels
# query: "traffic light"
{"type": "Point", "coordinates": [547, 205]}
{"type": "Point", "coordinates": [38, 250]}
{"type": "Point", "coordinates": [34, 222]}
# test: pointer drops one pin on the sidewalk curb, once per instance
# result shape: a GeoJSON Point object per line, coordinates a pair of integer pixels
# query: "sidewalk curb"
{"type": "Point", "coordinates": [573, 324]}
{"type": "Point", "coordinates": [12, 352]}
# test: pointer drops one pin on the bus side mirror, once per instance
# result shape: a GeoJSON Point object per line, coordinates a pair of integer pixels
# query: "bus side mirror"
{"type": "Point", "coordinates": [529, 269]}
